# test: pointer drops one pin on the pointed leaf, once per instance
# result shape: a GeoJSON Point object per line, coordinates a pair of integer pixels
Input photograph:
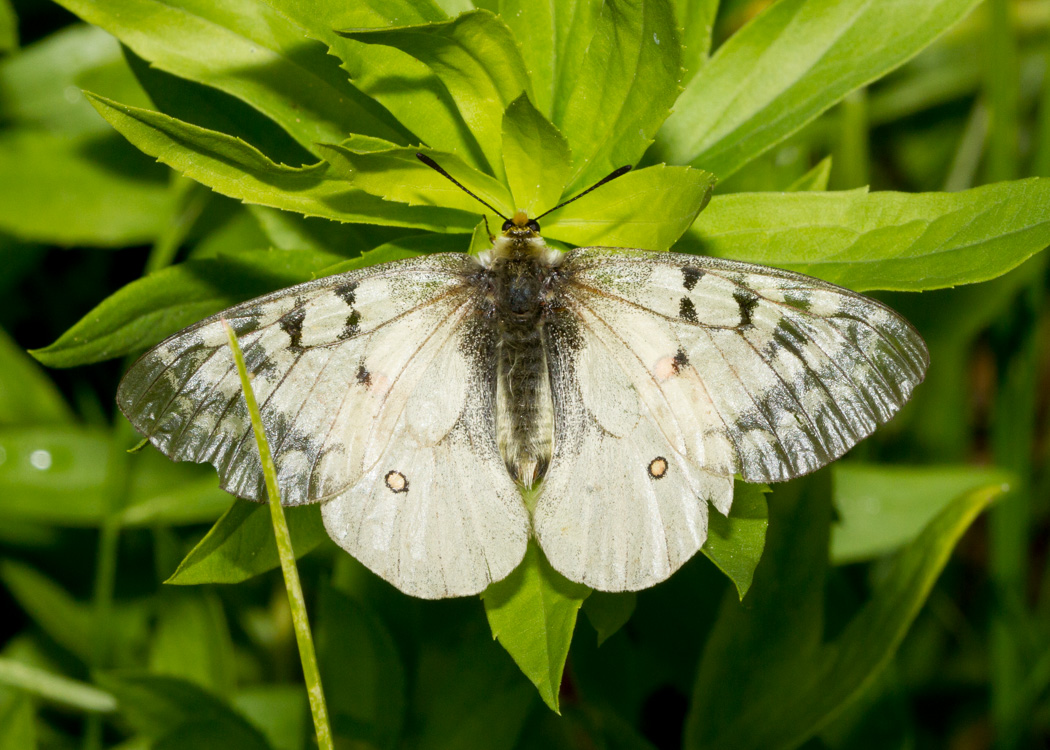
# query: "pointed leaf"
{"type": "Point", "coordinates": [885, 240]}
{"type": "Point", "coordinates": [397, 175]}
{"type": "Point", "coordinates": [477, 58]}
{"type": "Point", "coordinates": [648, 208]}
{"type": "Point", "coordinates": [536, 158]}
{"type": "Point", "coordinates": [696, 18]}
{"type": "Point", "coordinates": [624, 90]}
{"type": "Point", "coordinates": [232, 167]}
{"type": "Point", "coordinates": [241, 544]}
{"type": "Point", "coordinates": [735, 543]}
{"type": "Point", "coordinates": [250, 51]}
{"type": "Point", "coordinates": [608, 612]}
{"type": "Point", "coordinates": [789, 65]}
{"type": "Point", "coordinates": [880, 508]}
{"type": "Point", "coordinates": [192, 640]}
{"type": "Point", "coordinates": [147, 310]}
{"type": "Point", "coordinates": [27, 394]}
{"type": "Point", "coordinates": [766, 680]}
{"type": "Point", "coordinates": [815, 180]}
{"type": "Point", "coordinates": [406, 87]}
{"type": "Point", "coordinates": [532, 614]}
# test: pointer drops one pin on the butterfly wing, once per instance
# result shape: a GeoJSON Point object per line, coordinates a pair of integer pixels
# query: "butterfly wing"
{"type": "Point", "coordinates": [734, 368]}
{"type": "Point", "coordinates": [350, 371]}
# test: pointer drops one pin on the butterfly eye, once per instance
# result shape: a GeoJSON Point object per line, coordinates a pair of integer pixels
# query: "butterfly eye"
{"type": "Point", "coordinates": [507, 225]}
{"type": "Point", "coordinates": [534, 226]}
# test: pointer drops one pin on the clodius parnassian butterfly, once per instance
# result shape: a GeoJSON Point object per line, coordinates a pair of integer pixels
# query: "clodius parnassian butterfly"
{"type": "Point", "coordinates": [414, 399]}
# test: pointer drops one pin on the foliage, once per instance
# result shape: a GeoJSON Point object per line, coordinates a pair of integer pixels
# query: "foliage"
{"type": "Point", "coordinates": [224, 150]}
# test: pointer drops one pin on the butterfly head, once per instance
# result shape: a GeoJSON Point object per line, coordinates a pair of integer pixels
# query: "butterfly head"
{"type": "Point", "coordinates": [520, 227]}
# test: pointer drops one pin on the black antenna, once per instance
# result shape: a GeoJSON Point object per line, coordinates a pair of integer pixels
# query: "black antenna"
{"type": "Point", "coordinates": [437, 168]}
{"type": "Point", "coordinates": [618, 173]}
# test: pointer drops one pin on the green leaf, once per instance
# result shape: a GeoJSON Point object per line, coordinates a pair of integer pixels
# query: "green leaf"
{"type": "Point", "coordinates": [362, 673]}
{"type": "Point", "coordinates": [232, 167]}
{"type": "Point", "coordinates": [397, 175]}
{"type": "Point", "coordinates": [145, 311]}
{"type": "Point", "coordinates": [884, 240]}
{"type": "Point", "coordinates": [608, 612]}
{"type": "Point", "coordinates": [881, 508]}
{"type": "Point", "coordinates": [54, 475]}
{"type": "Point", "coordinates": [71, 623]}
{"type": "Point", "coordinates": [251, 52]}
{"type": "Point", "coordinates": [8, 43]}
{"type": "Point", "coordinates": [815, 180]}
{"type": "Point", "coordinates": [288, 231]}
{"type": "Point", "coordinates": [766, 680]}
{"type": "Point", "coordinates": [53, 687]}
{"type": "Point", "coordinates": [38, 86]}
{"type": "Point", "coordinates": [696, 18]}
{"type": "Point", "coordinates": [192, 640]}
{"type": "Point", "coordinates": [27, 394]}
{"type": "Point", "coordinates": [735, 543]}
{"type": "Point", "coordinates": [241, 545]}
{"type": "Point", "coordinates": [107, 194]}
{"type": "Point", "coordinates": [626, 85]}
{"type": "Point", "coordinates": [787, 66]}
{"type": "Point", "coordinates": [399, 249]}
{"type": "Point", "coordinates": [532, 613]}
{"type": "Point", "coordinates": [160, 706]}
{"type": "Point", "coordinates": [17, 717]}
{"type": "Point", "coordinates": [406, 87]}
{"type": "Point", "coordinates": [279, 711]}
{"type": "Point", "coordinates": [648, 208]}
{"type": "Point", "coordinates": [477, 58]}
{"type": "Point", "coordinates": [536, 158]}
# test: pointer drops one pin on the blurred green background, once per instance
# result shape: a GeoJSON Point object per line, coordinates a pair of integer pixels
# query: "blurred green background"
{"type": "Point", "coordinates": [88, 533]}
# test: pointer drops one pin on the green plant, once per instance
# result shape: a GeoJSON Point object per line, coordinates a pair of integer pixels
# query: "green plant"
{"type": "Point", "coordinates": [308, 115]}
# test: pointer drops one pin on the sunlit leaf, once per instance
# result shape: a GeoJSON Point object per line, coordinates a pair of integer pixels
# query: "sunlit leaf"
{"type": "Point", "coordinates": [532, 614]}
{"type": "Point", "coordinates": [648, 208]}
{"type": "Point", "coordinates": [241, 545]}
{"type": "Point", "coordinates": [232, 167]}
{"type": "Point", "coordinates": [536, 158]}
{"type": "Point", "coordinates": [788, 65]}
{"type": "Point", "coordinates": [735, 543]}
{"type": "Point", "coordinates": [884, 240]}
{"type": "Point", "coordinates": [624, 88]}
{"type": "Point", "coordinates": [477, 58]}
{"type": "Point", "coordinates": [250, 51]}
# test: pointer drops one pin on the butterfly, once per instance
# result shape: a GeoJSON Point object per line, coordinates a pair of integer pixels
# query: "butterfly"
{"type": "Point", "coordinates": [416, 399]}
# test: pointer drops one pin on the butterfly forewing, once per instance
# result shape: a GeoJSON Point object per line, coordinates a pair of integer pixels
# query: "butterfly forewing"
{"type": "Point", "coordinates": [748, 369]}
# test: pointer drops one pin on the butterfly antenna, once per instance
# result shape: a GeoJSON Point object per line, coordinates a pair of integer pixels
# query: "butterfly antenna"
{"type": "Point", "coordinates": [437, 168]}
{"type": "Point", "coordinates": [618, 173]}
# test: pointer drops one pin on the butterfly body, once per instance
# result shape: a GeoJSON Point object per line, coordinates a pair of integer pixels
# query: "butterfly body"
{"type": "Point", "coordinates": [414, 399]}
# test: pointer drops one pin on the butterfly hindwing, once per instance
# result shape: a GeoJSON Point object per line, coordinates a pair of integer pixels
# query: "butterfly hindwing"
{"type": "Point", "coordinates": [621, 508]}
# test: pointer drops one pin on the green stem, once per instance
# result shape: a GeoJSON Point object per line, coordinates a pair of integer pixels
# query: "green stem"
{"type": "Point", "coordinates": [853, 159]}
{"type": "Point", "coordinates": [1002, 88]}
{"type": "Point", "coordinates": [296, 602]}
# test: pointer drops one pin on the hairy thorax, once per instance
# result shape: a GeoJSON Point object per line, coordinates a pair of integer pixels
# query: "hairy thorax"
{"type": "Point", "coordinates": [523, 276]}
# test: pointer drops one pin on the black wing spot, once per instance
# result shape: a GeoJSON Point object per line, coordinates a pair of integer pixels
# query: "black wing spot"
{"type": "Point", "coordinates": [691, 276]}
{"type": "Point", "coordinates": [798, 299]}
{"type": "Point", "coordinates": [396, 482]}
{"type": "Point", "coordinates": [364, 377]}
{"type": "Point", "coordinates": [351, 328]}
{"type": "Point", "coordinates": [680, 360]}
{"type": "Point", "coordinates": [292, 324]}
{"type": "Point", "coordinates": [687, 311]}
{"type": "Point", "coordinates": [747, 302]}
{"type": "Point", "coordinates": [658, 467]}
{"type": "Point", "coordinates": [347, 292]}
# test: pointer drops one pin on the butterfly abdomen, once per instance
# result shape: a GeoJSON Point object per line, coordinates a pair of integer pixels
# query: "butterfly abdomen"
{"type": "Point", "coordinates": [524, 409]}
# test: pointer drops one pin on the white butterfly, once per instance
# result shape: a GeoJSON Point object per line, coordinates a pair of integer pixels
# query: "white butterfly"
{"type": "Point", "coordinates": [414, 399]}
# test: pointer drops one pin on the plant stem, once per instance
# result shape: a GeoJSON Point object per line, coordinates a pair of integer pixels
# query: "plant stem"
{"type": "Point", "coordinates": [296, 602]}
{"type": "Point", "coordinates": [853, 158]}
{"type": "Point", "coordinates": [1002, 88]}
